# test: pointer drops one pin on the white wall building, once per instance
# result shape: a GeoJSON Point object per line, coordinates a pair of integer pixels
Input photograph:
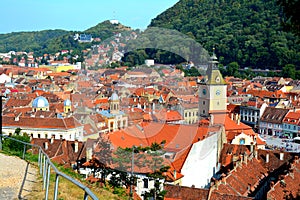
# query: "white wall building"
{"type": "Point", "coordinates": [201, 162]}
{"type": "Point", "coordinates": [65, 128]}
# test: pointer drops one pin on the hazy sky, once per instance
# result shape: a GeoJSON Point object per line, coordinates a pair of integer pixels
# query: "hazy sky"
{"type": "Point", "coordinates": [77, 15]}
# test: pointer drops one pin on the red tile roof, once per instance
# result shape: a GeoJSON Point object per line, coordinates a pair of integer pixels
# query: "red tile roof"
{"type": "Point", "coordinates": [292, 118]}
{"type": "Point", "coordinates": [185, 193]}
{"type": "Point", "coordinates": [289, 186]}
{"type": "Point", "coordinates": [31, 122]}
{"type": "Point", "coordinates": [246, 174]}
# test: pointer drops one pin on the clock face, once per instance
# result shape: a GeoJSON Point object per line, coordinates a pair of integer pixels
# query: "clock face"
{"type": "Point", "coordinates": [204, 91]}
{"type": "Point", "coordinates": [218, 92]}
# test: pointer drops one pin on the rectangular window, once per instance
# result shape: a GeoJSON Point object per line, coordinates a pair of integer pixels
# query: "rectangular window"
{"type": "Point", "coordinates": [145, 180]}
{"type": "Point", "coordinates": [203, 102]}
{"type": "Point", "coordinates": [242, 141]}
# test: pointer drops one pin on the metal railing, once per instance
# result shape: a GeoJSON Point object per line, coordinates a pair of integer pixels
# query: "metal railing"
{"type": "Point", "coordinates": [45, 165]}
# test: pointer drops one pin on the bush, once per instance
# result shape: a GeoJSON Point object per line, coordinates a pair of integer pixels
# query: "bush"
{"type": "Point", "coordinates": [12, 145]}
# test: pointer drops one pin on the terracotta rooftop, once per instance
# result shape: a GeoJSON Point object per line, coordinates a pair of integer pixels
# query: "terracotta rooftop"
{"type": "Point", "coordinates": [176, 192]}
{"type": "Point", "coordinates": [289, 185]}
{"type": "Point", "coordinates": [243, 179]}
{"type": "Point", "coordinates": [32, 122]}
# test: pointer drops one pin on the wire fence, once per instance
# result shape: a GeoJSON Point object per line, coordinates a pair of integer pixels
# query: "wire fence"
{"type": "Point", "coordinates": [45, 165]}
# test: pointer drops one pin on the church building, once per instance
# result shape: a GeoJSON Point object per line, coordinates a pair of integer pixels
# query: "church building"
{"type": "Point", "coordinates": [114, 117]}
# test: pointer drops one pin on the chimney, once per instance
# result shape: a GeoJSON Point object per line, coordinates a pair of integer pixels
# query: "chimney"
{"type": "Point", "coordinates": [46, 145]}
{"type": "Point", "coordinates": [237, 117]}
{"type": "Point", "coordinates": [211, 120]}
{"type": "Point", "coordinates": [281, 156]}
{"type": "Point", "coordinates": [52, 139]}
{"type": "Point", "coordinates": [267, 158]}
{"type": "Point", "coordinates": [245, 158]}
{"type": "Point", "coordinates": [76, 146]}
{"type": "Point", "coordinates": [255, 153]}
{"type": "Point", "coordinates": [17, 118]}
{"type": "Point", "coordinates": [175, 174]}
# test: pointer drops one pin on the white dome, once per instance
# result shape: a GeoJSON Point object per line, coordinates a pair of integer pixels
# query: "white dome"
{"type": "Point", "coordinates": [114, 97]}
{"type": "Point", "coordinates": [40, 102]}
{"type": "Point", "coordinates": [67, 102]}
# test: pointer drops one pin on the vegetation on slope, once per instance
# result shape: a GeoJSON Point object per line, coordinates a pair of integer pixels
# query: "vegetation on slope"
{"type": "Point", "coordinates": [52, 41]}
{"type": "Point", "coordinates": [248, 32]}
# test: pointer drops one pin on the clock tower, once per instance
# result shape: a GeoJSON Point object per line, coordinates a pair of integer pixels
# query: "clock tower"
{"type": "Point", "coordinates": [212, 94]}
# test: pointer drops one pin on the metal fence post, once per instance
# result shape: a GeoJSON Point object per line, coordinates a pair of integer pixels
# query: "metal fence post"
{"type": "Point", "coordinates": [56, 186]}
{"type": "Point", "coordinates": [45, 165]}
{"type": "Point", "coordinates": [45, 174]}
{"type": "Point", "coordinates": [41, 164]}
{"type": "Point", "coordinates": [47, 181]}
{"type": "Point", "coordinates": [86, 196]}
{"type": "Point", "coordinates": [39, 158]}
{"type": "Point", "coordinates": [24, 151]}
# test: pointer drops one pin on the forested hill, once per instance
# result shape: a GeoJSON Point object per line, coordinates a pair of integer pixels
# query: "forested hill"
{"type": "Point", "coordinates": [246, 31]}
{"type": "Point", "coordinates": [51, 41]}
{"type": "Point", "coordinates": [28, 41]}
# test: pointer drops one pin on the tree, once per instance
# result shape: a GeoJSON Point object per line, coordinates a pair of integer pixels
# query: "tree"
{"type": "Point", "coordinates": [289, 71]}
{"type": "Point", "coordinates": [291, 9]}
{"type": "Point", "coordinates": [232, 69]}
{"type": "Point", "coordinates": [16, 146]}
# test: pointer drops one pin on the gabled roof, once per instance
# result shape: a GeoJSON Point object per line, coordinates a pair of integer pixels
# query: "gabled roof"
{"type": "Point", "coordinates": [177, 136]}
{"type": "Point", "coordinates": [231, 125]}
{"type": "Point", "coordinates": [274, 115]}
{"type": "Point", "coordinates": [61, 151]}
{"type": "Point", "coordinates": [292, 118]}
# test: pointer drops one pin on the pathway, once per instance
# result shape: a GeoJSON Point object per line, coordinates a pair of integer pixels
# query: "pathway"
{"type": "Point", "coordinates": [12, 173]}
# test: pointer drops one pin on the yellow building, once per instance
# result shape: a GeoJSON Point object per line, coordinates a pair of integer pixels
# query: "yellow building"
{"type": "Point", "coordinates": [60, 68]}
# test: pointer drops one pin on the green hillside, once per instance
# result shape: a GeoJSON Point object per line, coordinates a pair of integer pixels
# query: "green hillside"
{"type": "Point", "coordinates": [51, 41]}
{"type": "Point", "coordinates": [248, 32]}
{"type": "Point", "coordinates": [28, 41]}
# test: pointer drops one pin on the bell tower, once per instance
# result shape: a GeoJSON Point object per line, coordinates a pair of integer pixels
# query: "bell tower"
{"type": "Point", "coordinates": [114, 103]}
{"type": "Point", "coordinates": [212, 94]}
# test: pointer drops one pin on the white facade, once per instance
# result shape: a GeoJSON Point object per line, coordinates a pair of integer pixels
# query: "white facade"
{"type": "Point", "coordinates": [69, 135]}
{"type": "Point", "coordinates": [4, 78]}
{"type": "Point", "coordinates": [149, 62]}
{"type": "Point", "coordinates": [201, 162]}
{"type": "Point", "coordinates": [145, 184]}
